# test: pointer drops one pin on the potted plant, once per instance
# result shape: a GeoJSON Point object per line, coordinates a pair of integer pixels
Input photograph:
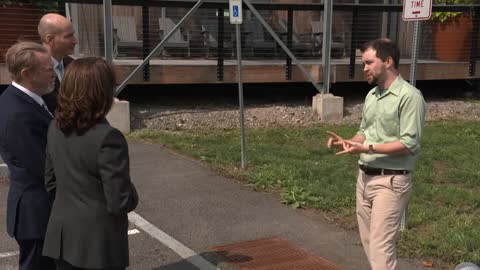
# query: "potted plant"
{"type": "Point", "coordinates": [452, 31]}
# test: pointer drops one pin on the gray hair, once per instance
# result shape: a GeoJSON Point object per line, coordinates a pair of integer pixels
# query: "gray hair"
{"type": "Point", "coordinates": [23, 55]}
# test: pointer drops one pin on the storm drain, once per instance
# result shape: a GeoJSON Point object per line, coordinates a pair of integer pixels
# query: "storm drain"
{"type": "Point", "coordinates": [272, 254]}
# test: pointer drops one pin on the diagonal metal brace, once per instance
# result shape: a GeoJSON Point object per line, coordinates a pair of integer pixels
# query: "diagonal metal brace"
{"type": "Point", "coordinates": [158, 47]}
{"type": "Point", "coordinates": [282, 45]}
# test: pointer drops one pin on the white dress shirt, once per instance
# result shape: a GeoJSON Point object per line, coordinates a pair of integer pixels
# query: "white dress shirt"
{"type": "Point", "coordinates": [33, 95]}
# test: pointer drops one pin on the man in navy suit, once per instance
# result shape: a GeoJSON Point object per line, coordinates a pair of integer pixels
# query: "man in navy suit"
{"type": "Point", "coordinates": [58, 36]}
{"type": "Point", "coordinates": [24, 120]}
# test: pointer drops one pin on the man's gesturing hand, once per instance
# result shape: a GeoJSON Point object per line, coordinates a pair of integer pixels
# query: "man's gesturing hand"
{"type": "Point", "coordinates": [351, 147]}
{"type": "Point", "coordinates": [334, 140]}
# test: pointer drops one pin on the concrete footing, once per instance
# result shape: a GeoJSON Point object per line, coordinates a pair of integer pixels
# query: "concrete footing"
{"type": "Point", "coordinates": [119, 116]}
{"type": "Point", "coordinates": [328, 107]}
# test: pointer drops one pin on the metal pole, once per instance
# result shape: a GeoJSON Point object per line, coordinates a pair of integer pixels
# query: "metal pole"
{"type": "Point", "coordinates": [474, 52]}
{"type": "Point", "coordinates": [289, 43]}
{"type": "Point", "coordinates": [159, 46]}
{"type": "Point", "coordinates": [163, 17]}
{"type": "Point", "coordinates": [107, 25]}
{"type": "Point", "coordinates": [282, 45]}
{"type": "Point", "coordinates": [413, 65]}
{"type": "Point", "coordinates": [413, 71]}
{"type": "Point", "coordinates": [385, 21]}
{"type": "Point", "coordinates": [327, 37]}
{"type": "Point", "coordinates": [240, 97]}
{"type": "Point", "coordinates": [220, 47]}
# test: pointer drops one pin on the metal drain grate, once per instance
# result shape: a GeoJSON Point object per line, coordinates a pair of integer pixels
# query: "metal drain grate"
{"type": "Point", "coordinates": [272, 254]}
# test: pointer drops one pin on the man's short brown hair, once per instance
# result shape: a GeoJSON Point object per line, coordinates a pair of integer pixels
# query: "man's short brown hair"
{"type": "Point", "coordinates": [23, 55]}
{"type": "Point", "coordinates": [384, 48]}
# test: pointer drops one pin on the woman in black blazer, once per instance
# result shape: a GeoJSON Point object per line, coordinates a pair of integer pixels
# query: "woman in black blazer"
{"type": "Point", "coordinates": [87, 168]}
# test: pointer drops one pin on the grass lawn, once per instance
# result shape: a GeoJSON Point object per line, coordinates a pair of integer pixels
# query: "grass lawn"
{"type": "Point", "coordinates": [444, 210]}
{"type": "Point", "coordinates": [473, 100]}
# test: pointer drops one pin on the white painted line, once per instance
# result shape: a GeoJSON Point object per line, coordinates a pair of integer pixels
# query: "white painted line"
{"type": "Point", "coordinates": [184, 252]}
{"type": "Point", "coordinates": [3, 165]}
{"type": "Point", "coordinates": [134, 231]}
{"type": "Point", "coordinates": [9, 254]}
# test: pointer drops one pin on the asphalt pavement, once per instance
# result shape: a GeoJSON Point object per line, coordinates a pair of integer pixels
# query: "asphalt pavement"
{"type": "Point", "coordinates": [187, 209]}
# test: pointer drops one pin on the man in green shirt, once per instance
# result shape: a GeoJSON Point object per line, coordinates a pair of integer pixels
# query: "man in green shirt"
{"type": "Point", "coordinates": [388, 142]}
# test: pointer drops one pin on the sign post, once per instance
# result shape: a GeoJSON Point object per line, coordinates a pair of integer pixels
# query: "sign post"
{"type": "Point", "coordinates": [236, 17]}
{"type": "Point", "coordinates": [414, 10]}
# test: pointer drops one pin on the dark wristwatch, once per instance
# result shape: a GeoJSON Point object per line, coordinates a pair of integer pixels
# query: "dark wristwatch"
{"type": "Point", "coordinates": [370, 149]}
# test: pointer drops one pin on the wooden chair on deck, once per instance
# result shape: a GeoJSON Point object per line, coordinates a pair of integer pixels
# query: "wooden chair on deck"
{"type": "Point", "coordinates": [299, 44]}
{"type": "Point", "coordinates": [256, 40]}
{"type": "Point", "coordinates": [210, 37]}
{"type": "Point", "coordinates": [337, 43]}
{"type": "Point", "coordinates": [179, 39]}
{"type": "Point", "coordinates": [125, 33]}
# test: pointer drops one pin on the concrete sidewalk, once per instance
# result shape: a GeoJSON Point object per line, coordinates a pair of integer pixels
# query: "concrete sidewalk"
{"type": "Point", "coordinates": [202, 209]}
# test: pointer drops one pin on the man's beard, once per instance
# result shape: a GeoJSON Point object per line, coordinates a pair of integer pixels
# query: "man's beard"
{"type": "Point", "coordinates": [50, 88]}
{"type": "Point", "coordinates": [373, 81]}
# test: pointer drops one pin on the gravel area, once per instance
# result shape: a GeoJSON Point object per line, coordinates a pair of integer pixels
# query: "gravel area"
{"type": "Point", "coordinates": [190, 115]}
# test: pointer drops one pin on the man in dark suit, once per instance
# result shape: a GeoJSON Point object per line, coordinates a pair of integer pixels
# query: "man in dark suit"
{"type": "Point", "coordinates": [24, 120]}
{"type": "Point", "coordinates": [58, 36]}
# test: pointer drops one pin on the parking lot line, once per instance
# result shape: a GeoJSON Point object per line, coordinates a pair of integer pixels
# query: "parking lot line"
{"type": "Point", "coordinates": [8, 254]}
{"type": "Point", "coordinates": [134, 231]}
{"type": "Point", "coordinates": [170, 242]}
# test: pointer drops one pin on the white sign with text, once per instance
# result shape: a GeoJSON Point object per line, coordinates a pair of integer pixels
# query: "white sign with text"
{"type": "Point", "coordinates": [416, 10]}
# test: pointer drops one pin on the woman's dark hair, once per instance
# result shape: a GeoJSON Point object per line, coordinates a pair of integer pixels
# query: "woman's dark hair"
{"type": "Point", "coordinates": [85, 95]}
{"type": "Point", "coordinates": [385, 48]}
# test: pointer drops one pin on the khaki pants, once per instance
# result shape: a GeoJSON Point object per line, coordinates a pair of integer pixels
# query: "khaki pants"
{"type": "Point", "coordinates": [381, 201]}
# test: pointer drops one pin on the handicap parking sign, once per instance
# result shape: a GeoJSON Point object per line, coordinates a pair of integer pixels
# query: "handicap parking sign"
{"type": "Point", "coordinates": [236, 12]}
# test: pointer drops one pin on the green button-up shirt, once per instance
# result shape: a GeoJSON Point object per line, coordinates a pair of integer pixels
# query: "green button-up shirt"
{"type": "Point", "coordinates": [396, 114]}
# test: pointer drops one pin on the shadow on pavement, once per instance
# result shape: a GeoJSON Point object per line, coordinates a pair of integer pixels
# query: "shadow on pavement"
{"type": "Point", "coordinates": [219, 260]}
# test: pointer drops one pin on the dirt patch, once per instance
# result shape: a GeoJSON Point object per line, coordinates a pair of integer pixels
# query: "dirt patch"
{"type": "Point", "coordinates": [440, 166]}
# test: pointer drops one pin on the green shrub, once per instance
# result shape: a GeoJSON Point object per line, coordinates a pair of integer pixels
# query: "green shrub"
{"type": "Point", "coordinates": [445, 15]}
